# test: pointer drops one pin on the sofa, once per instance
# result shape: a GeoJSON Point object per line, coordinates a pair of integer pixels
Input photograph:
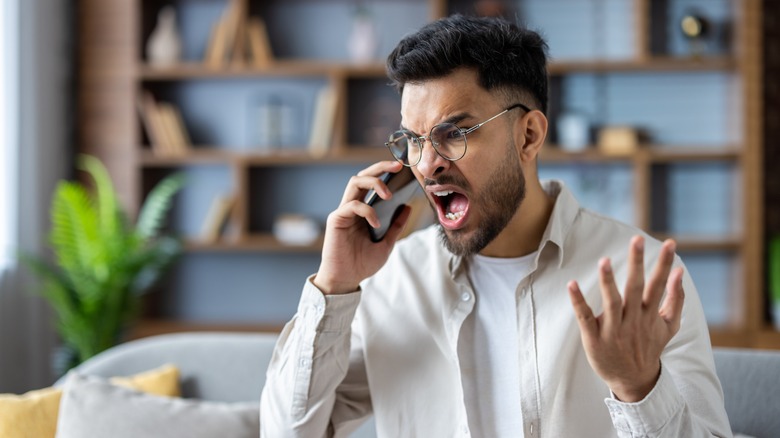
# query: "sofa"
{"type": "Point", "coordinates": [230, 367]}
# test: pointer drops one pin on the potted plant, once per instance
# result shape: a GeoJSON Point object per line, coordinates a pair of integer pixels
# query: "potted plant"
{"type": "Point", "coordinates": [773, 266]}
{"type": "Point", "coordinates": [102, 262]}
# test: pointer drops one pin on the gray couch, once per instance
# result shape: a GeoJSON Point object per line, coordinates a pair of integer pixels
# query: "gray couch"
{"type": "Point", "coordinates": [231, 367]}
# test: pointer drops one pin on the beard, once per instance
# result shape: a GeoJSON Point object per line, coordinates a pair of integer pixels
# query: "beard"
{"type": "Point", "coordinates": [497, 203]}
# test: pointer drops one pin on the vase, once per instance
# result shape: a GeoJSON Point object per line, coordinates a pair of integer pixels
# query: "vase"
{"type": "Point", "coordinates": [164, 45]}
{"type": "Point", "coordinates": [363, 41]}
{"type": "Point", "coordinates": [573, 131]}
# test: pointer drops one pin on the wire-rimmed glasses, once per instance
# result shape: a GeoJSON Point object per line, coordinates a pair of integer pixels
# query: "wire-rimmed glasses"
{"type": "Point", "coordinates": [447, 139]}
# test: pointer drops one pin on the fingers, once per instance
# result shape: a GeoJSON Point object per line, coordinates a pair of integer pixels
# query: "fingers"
{"type": "Point", "coordinates": [635, 283]}
{"type": "Point", "coordinates": [585, 319]}
{"type": "Point", "coordinates": [613, 302]}
{"type": "Point", "coordinates": [656, 286]}
{"type": "Point", "coordinates": [368, 179]}
{"type": "Point", "coordinates": [671, 311]}
{"type": "Point", "coordinates": [344, 216]}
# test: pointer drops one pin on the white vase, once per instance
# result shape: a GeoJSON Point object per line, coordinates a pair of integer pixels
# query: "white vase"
{"type": "Point", "coordinates": [164, 45]}
{"type": "Point", "coordinates": [573, 131]}
{"type": "Point", "coordinates": [362, 42]}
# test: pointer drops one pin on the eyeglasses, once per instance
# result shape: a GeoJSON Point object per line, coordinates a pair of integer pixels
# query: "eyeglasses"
{"type": "Point", "coordinates": [447, 139]}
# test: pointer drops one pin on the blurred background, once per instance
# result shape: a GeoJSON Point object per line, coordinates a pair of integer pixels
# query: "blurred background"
{"type": "Point", "coordinates": [663, 114]}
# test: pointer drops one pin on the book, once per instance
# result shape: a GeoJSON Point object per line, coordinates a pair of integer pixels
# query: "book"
{"type": "Point", "coordinates": [260, 51]}
{"type": "Point", "coordinates": [321, 134]}
{"type": "Point", "coordinates": [181, 127]}
{"type": "Point", "coordinates": [178, 138]}
{"type": "Point", "coordinates": [154, 124]}
{"type": "Point", "coordinates": [215, 52]}
{"type": "Point", "coordinates": [238, 50]}
{"type": "Point", "coordinates": [216, 218]}
{"type": "Point", "coordinates": [231, 19]}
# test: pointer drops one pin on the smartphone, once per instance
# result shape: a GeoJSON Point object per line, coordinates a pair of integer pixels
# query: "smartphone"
{"type": "Point", "coordinates": [403, 185]}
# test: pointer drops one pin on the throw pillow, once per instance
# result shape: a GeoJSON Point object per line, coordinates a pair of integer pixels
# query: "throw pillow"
{"type": "Point", "coordinates": [34, 414]}
{"type": "Point", "coordinates": [159, 381]}
{"type": "Point", "coordinates": [30, 415]}
{"type": "Point", "coordinates": [92, 407]}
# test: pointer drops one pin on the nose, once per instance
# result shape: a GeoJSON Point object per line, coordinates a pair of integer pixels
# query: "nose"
{"type": "Point", "coordinates": [431, 163]}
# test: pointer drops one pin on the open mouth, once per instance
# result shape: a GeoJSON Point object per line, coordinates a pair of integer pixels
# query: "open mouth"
{"type": "Point", "coordinates": [452, 207]}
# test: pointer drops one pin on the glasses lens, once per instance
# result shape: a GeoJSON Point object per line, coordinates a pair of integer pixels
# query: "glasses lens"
{"type": "Point", "coordinates": [402, 145]}
{"type": "Point", "coordinates": [449, 140]}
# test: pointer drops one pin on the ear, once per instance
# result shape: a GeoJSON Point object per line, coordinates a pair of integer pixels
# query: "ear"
{"type": "Point", "coordinates": [530, 135]}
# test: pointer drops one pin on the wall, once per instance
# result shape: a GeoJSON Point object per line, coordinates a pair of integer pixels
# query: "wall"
{"type": "Point", "coordinates": [45, 150]}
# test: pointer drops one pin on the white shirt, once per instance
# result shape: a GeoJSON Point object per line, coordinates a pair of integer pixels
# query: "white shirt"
{"type": "Point", "coordinates": [488, 347]}
{"type": "Point", "coordinates": [391, 347]}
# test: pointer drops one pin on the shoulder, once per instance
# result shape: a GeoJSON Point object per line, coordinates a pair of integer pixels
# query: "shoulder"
{"type": "Point", "coordinates": [607, 236]}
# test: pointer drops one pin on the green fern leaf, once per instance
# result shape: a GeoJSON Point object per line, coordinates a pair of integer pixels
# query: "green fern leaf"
{"type": "Point", "coordinates": [156, 206]}
{"type": "Point", "coordinates": [74, 231]}
{"type": "Point", "coordinates": [104, 189]}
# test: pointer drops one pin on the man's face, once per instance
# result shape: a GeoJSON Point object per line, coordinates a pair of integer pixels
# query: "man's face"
{"type": "Point", "coordinates": [475, 197]}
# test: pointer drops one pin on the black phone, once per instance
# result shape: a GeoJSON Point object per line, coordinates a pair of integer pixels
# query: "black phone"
{"type": "Point", "coordinates": [403, 185]}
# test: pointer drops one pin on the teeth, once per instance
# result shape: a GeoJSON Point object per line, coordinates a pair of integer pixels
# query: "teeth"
{"type": "Point", "coordinates": [444, 193]}
{"type": "Point", "coordinates": [454, 216]}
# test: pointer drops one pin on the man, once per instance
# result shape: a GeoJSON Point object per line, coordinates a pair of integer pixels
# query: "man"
{"type": "Point", "coordinates": [485, 324]}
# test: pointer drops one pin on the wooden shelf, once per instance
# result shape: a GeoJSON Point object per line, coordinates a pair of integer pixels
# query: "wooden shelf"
{"type": "Point", "coordinates": [286, 68]}
{"type": "Point", "coordinates": [725, 337]}
{"type": "Point", "coordinates": [205, 154]}
{"type": "Point", "coordinates": [197, 155]}
{"type": "Point", "coordinates": [259, 242]}
{"type": "Point", "coordinates": [721, 337]}
{"type": "Point", "coordinates": [307, 68]}
{"type": "Point", "coordinates": [154, 327]}
{"type": "Point", "coordinates": [703, 243]}
{"type": "Point", "coordinates": [647, 153]}
{"type": "Point", "coordinates": [654, 64]}
{"type": "Point", "coordinates": [211, 154]}
{"type": "Point", "coordinates": [668, 154]}
{"type": "Point", "coordinates": [768, 338]}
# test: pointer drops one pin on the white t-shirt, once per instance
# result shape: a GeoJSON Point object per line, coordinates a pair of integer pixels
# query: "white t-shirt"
{"type": "Point", "coordinates": [488, 347]}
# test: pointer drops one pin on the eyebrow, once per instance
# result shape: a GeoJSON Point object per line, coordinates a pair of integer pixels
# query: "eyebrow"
{"type": "Point", "coordinates": [454, 119]}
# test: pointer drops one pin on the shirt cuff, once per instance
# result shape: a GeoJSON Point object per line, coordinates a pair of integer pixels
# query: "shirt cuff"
{"type": "Point", "coordinates": [331, 313]}
{"type": "Point", "coordinates": [649, 415]}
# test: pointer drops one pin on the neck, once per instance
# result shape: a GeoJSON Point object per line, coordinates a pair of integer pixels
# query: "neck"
{"type": "Point", "coordinates": [524, 232]}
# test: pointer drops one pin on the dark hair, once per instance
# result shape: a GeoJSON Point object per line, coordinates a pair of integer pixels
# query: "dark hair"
{"type": "Point", "coordinates": [508, 57]}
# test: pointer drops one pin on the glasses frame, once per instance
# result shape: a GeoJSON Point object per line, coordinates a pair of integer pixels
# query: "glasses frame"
{"type": "Point", "coordinates": [419, 141]}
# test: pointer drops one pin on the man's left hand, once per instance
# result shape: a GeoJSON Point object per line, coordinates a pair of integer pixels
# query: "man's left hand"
{"type": "Point", "coordinates": [624, 343]}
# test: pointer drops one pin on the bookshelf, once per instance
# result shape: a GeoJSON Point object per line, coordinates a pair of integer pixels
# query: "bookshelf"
{"type": "Point", "coordinates": [223, 158]}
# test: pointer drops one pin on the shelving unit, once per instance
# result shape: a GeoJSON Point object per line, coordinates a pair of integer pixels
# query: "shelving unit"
{"type": "Point", "coordinates": [113, 70]}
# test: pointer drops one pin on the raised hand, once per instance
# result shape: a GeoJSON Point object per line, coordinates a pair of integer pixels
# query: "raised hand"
{"type": "Point", "coordinates": [348, 254]}
{"type": "Point", "coordinates": [624, 343]}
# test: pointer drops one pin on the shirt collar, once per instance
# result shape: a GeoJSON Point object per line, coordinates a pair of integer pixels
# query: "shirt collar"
{"type": "Point", "coordinates": [564, 212]}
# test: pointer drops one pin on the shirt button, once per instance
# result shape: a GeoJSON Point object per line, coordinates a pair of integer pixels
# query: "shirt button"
{"type": "Point", "coordinates": [532, 429]}
{"type": "Point", "coordinates": [466, 296]}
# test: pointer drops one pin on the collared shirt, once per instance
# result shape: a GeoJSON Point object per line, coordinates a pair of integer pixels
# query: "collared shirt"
{"type": "Point", "coordinates": [391, 348]}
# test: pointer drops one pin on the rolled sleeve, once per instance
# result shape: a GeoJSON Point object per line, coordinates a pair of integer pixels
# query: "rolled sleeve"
{"type": "Point", "coordinates": [310, 360]}
{"type": "Point", "coordinates": [332, 313]}
{"type": "Point", "coordinates": [648, 416]}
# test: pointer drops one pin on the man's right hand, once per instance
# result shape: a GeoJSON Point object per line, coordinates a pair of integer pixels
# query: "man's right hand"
{"type": "Point", "coordinates": [348, 254]}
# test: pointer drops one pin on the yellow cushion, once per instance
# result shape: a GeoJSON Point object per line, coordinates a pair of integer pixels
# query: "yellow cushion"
{"type": "Point", "coordinates": [34, 414]}
{"type": "Point", "coordinates": [159, 381]}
